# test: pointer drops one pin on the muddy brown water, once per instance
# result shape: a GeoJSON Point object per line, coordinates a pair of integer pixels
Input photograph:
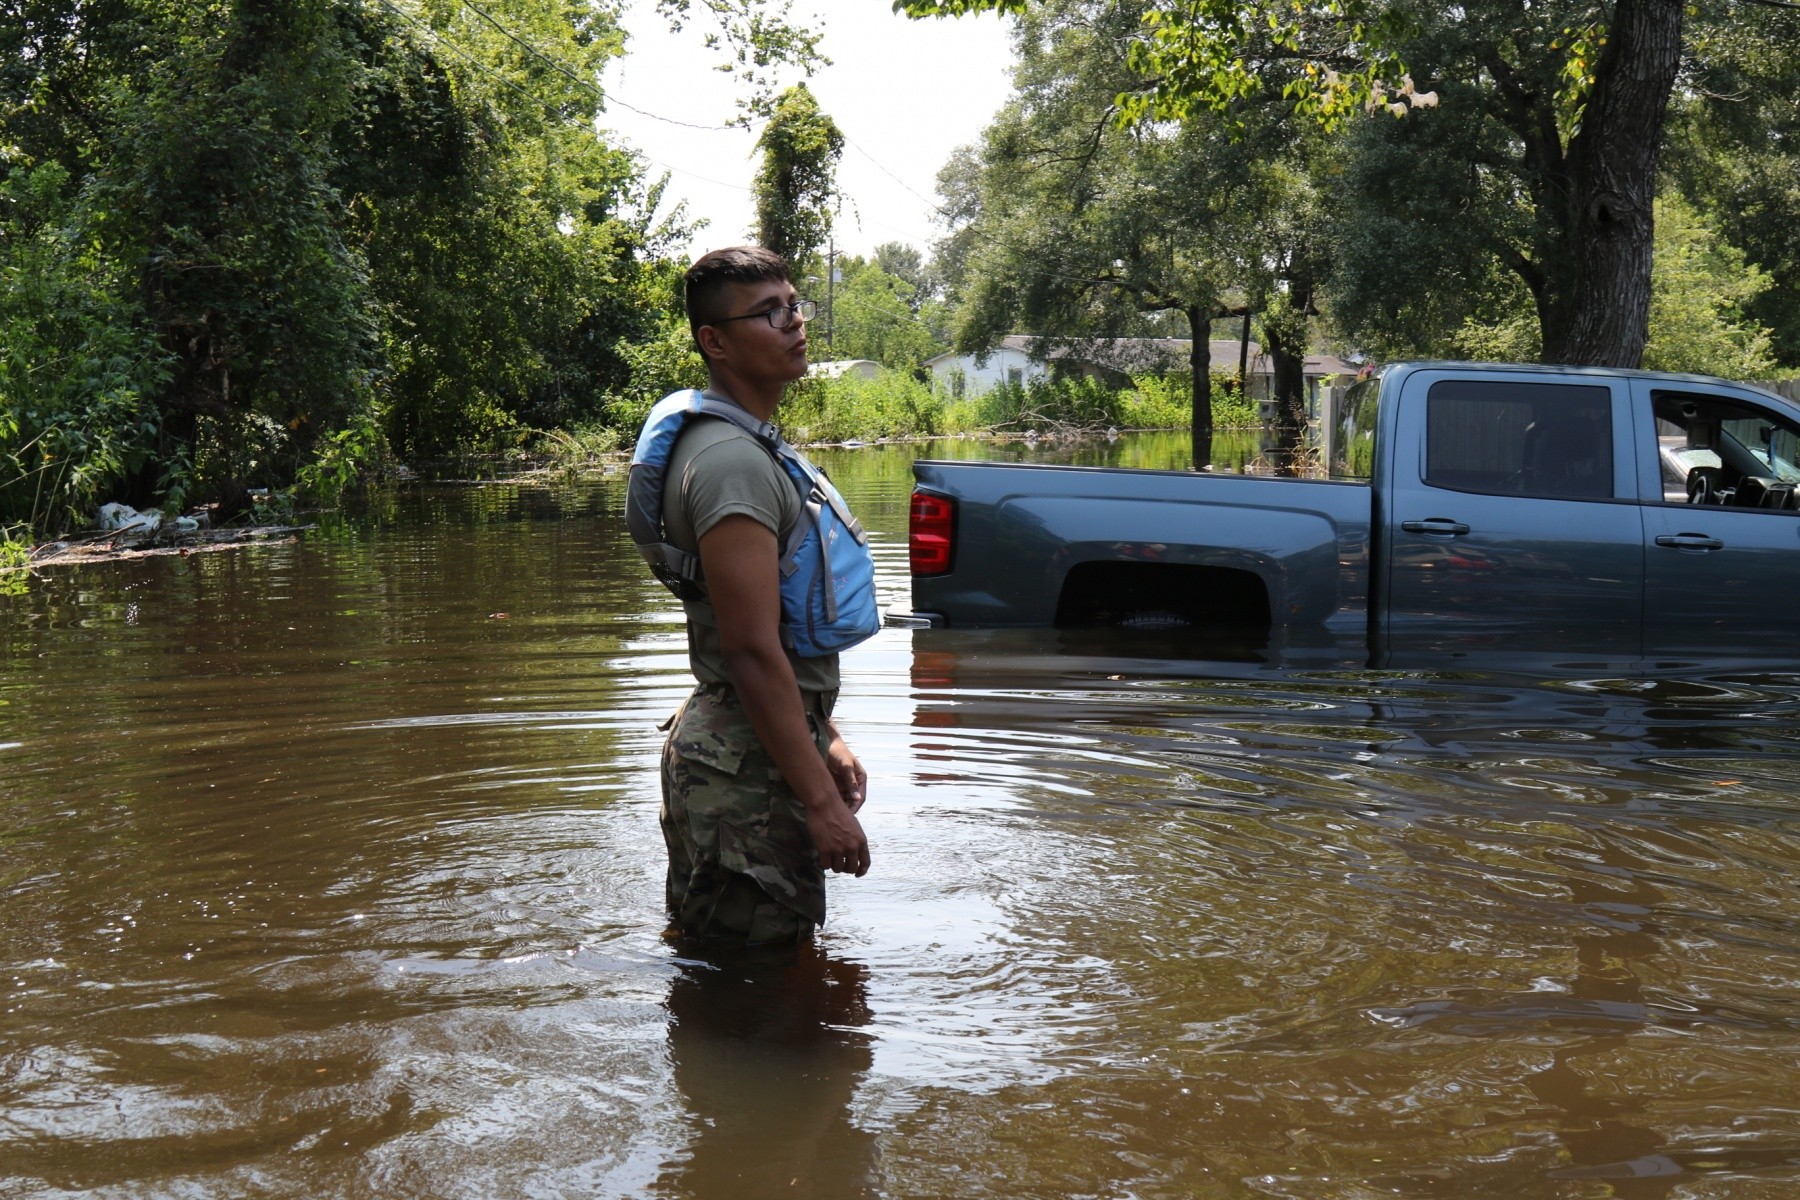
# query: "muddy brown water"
{"type": "Point", "coordinates": [333, 870]}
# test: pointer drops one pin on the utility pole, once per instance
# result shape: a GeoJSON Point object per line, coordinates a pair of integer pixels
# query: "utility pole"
{"type": "Point", "coordinates": [1244, 358]}
{"type": "Point", "coordinates": [830, 292]}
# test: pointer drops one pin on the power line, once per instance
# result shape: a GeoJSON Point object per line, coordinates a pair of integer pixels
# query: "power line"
{"type": "Point", "coordinates": [445, 43]}
{"type": "Point", "coordinates": [935, 208]}
{"type": "Point", "coordinates": [944, 214]}
{"type": "Point", "coordinates": [586, 85]}
{"type": "Point", "coordinates": [599, 94]}
{"type": "Point", "coordinates": [671, 120]}
{"type": "Point", "coordinates": [535, 52]}
{"type": "Point", "coordinates": [932, 203]}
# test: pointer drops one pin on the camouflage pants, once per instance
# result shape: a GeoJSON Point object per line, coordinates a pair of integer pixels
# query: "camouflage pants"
{"type": "Point", "coordinates": [741, 863]}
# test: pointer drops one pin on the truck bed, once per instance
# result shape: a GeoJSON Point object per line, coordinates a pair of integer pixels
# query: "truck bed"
{"type": "Point", "coordinates": [1040, 545]}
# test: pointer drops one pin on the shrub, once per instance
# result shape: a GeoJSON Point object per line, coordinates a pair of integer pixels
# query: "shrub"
{"type": "Point", "coordinates": [666, 363]}
{"type": "Point", "coordinates": [77, 364]}
{"type": "Point", "coordinates": [892, 404]}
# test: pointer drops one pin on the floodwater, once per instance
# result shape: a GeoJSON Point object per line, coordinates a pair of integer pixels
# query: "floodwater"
{"type": "Point", "coordinates": [332, 870]}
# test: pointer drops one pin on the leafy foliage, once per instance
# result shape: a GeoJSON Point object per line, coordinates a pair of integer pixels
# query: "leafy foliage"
{"type": "Point", "coordinates": [1731, 153]}
{"type": "Point", "coordinates": [759, 38]}
{"type": "Point", "coordinates": [1530, 142]}
{"type": "Point", "coordinates": [499, 230]}
{"type": "Point", "coordinates": [876, 315]}
{"type": "Point", "coordinates": [892, 404]}
{"type": "Point", "coordinates": [797, 182]}
{"type": "Point", "coordinates": [1328, 60]}
{"type": "Point", "coordinates": [1699, 310]}
{"type": "Point", "coordinates": [897, 405]}
{"type": "Point", "coordinates": [77, 364]}
{"type": "Point", "coordinates": [1071, 224]}
{"type": "Point", "coordinates": [1703, 295]}
{"type": "Point", "coordinates": [303, 234]}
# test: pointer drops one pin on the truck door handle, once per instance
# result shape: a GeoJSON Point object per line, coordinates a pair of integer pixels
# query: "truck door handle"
{"type": "Point", "coordinates": [1443, 526]}
{"type": "Point", "coordinates": [1689, 541]}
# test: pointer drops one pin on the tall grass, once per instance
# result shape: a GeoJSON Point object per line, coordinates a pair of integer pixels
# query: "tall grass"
{"type": "Point", "coordinates": [896, 405]}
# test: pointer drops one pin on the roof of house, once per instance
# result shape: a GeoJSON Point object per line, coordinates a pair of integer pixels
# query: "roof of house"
{"type": "Point", "coordinates": [1150, 354]}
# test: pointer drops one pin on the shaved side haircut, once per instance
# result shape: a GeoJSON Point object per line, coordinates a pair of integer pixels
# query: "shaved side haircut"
{"type": "Point", "coordinates": [705, 282]}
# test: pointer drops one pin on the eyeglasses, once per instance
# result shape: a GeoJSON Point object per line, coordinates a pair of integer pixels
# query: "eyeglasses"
{"type": "Point", "coordinates": [785, 317]}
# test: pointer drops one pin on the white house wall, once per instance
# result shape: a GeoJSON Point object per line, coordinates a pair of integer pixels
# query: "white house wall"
{"type": "Point", "coordinates": [978, 379]}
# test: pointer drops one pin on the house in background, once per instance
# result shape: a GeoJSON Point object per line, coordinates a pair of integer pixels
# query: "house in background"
{"type": "Point", "coordinates": [861, 368]}
{"type": "Point", "coordinates": [1115, 360]}
{"type": "Point", "coordinates": [972, 374]}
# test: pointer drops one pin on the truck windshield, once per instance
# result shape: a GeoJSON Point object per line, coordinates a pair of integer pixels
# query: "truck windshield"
{"type": "Point", "coordinates": [1353, 431]}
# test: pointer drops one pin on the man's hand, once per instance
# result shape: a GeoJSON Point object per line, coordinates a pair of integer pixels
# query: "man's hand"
{"type": "Point", "coordinates": [838, 837]}
{"type": "Point", "coordinates": [852, 781]}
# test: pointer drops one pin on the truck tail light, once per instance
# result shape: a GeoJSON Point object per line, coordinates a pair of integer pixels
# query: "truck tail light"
{"type": "Point", "coordinates": [930, 533]}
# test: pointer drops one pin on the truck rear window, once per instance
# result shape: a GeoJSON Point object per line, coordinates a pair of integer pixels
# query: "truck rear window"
{"type": "Point", "coordinates": [1522, 439]}
{"type": "Point", "coordinates": [1353, 437]}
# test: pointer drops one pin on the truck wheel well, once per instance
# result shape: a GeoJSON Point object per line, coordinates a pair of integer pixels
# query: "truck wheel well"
{"type": "Point", "coordinates": [1175, 594]}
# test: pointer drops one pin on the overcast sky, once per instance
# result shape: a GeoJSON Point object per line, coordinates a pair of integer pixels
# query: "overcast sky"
{"type": "Point", "coordinates": [905, 94]}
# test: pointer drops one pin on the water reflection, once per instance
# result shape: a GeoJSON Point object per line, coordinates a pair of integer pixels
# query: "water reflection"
{"type": "Point", "coordinates": [333, 869]}
{"type": "Point", "coordinates": [768, 1049]}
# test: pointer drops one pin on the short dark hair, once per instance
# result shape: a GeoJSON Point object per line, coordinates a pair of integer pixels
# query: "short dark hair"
{"type": "Point", "coordinates": [713, 272]}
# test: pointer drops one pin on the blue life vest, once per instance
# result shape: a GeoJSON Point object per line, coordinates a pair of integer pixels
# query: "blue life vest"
{"type": "Point", "coordinates": [828, 599]}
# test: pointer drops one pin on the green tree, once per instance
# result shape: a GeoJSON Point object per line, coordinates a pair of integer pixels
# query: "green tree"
{"type": "Point", "coordinates": [909, 265]}
{"type": "Point", "coordinates": [1732, 155]}
{"type": "Point", "coordinates": [796, 183]}
{"type": "Point", "coordinates": [1703, 295]}
{"type": "Point", "coordinates": [77, 362]}
{"type": "Point", "coordinates": [1068, 223]}
{"type": "Point", "coordinates": [1540, 156]}
{"type": "Point", "coordinates": [495, 223]}
{"type": "Point", "coordinates": [254, 241]}
{"type": "Point", "coordinates": [759, 38]}
{"type": "Point", "coordinates": [873, 316]}
{"type": "Point", "coordinates": [1703, 291]}
{"type": "Point", "coordinates": [337, 220]}
{"type": "Point", "coordinates": [197, 141]}
{"type": "Point", "coordinates": [1563, 104]}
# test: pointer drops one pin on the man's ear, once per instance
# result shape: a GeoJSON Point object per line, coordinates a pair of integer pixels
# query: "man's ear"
{"type": "Point", "coordinates": [711, 346]}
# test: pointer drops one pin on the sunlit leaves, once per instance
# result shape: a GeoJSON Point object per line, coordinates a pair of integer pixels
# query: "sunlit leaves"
{"type": "Point", "coordinates": [1328, 60]}
{"type": "Point", "coordinates": [1580, 47]}
{"type": "Point", "coordinates": [796, 182]}
{"type": "Point", "coordinates": [759, 39]}
{"type": "Point", "coordinates": [1701, 287]}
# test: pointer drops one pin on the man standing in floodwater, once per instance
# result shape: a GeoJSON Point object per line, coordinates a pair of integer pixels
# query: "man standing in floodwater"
{"type": "Point", "coordinates": [760, 793]}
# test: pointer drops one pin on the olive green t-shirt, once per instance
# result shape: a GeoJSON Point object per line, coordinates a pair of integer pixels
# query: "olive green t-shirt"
{"type": "Point", "coordinates": [715, 471]}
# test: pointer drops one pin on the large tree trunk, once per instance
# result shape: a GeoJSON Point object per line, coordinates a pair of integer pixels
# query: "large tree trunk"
{"type": "Point", "coordinates": [1287, 363]}
{"type": "Point", "coordinates": [1602, 317]}
{"type": "Point", "coordinates": [1200, 360]}
{"type": "Point", "coordinates": [1284, 340]}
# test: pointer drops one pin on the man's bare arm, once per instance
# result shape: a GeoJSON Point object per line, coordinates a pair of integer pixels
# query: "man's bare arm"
{"type": "Point", "coordinates": [741, 561]}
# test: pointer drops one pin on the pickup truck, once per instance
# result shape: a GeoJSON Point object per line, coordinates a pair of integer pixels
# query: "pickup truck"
{"type": "Point", "coordinates": [1463, 506]}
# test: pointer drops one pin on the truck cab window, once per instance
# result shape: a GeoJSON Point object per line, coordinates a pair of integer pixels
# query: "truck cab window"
{"type": "Point", "coordinates": [1523, 439]}
{"type": "Point", "coordinates": [1726, 452]}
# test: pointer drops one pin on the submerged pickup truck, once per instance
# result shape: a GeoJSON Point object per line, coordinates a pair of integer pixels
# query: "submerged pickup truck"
{"type": "Point", "coordinates": [1579, 510]}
